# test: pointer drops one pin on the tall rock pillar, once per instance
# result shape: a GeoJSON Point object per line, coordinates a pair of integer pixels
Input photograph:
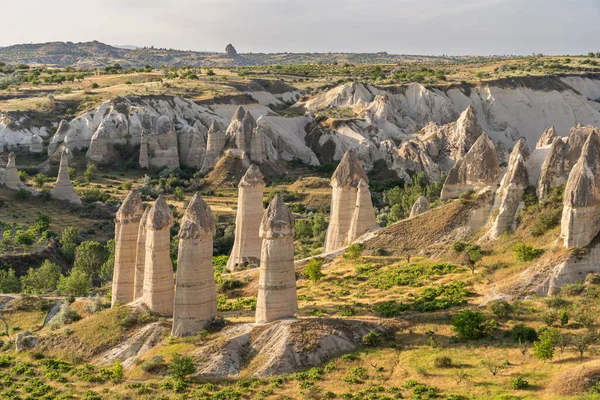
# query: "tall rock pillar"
{"type": "Point", "coordinates": [277, 282]}
{"type": "Point", "coordinates": [246, 248]}
{"type": "Point", "coordinates": [127, 224]}
{"type": "Point", "coordinates": [214, 146]}
{"type": "Point", "coordinates": [344, 182]}
{"type": "Point", "coordinates": [11, 174]}
{"type": "Point", "coordinates": [195, 289]}
{"type": "Point", "coordinates": [158, 273]}
{"type": "Point", "coordinates": [363, 218]}
{"type": "Point", "coordinates": [63, 189]}
{"type": "Point", "coordinates": [140, 257]}
{"type": "Point", "coordinates": [143, 160]}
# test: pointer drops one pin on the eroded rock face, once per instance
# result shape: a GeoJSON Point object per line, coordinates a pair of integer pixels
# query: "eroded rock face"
{"type": "Point", "coordinates": [163, 150]}
{"type": "Point", "coordinates": [230, 50]}
{"type": "Point", "coordinates": [158, 272]}
{"type": "Point", "coordinates": [363, 218]}
{"type": "Point", "coordinates": [277, 297]}
{"type": "Point", "coordinates": [478, 169]}
{"type": "Point", "coordinates": [509, 196]}
{"type": "Point", "coordinates": [195, 301]}
{"type": "Point", "coordinates": [247, 245]}
{"type": "Point", "coordinates": [191, 147]}
{"type": "Point", "coordinates": [553, 172]}
{"type": "Point", "coordinates": [547, 137]}
{"type": "Point", "coordinates": [575, 141]}
{"type": "Point", "coordinates": [63, 189]}
{"type": "Point", "coordinates": [9, 177]}
{"type": "Point", "coordinates": [214, 146]}
{"type": "Point", "coordinates": [421, 206]}
{"type": "Point", "coordinates": [581, 213]}
{"type": "Point", "coordinates": [127, 224]}
{"type": "Point", "coordinates": [344, 183]}
{"type": "Point", "coordinates": [140, 257]}
{"type": "Point", "coordinates": [465, 134]}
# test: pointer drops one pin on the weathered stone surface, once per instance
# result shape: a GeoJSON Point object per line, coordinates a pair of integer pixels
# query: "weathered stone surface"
{"type": "Point", "coordinates": [236, 122]}
{"type": "Point", "coordinates": [195, 301]}
{"type": "Point", "coordinates": [110, 132]}
{"type": "Point", "coordinates": [37, 144]}
{"type": "Point", "coordinates": [553, 172]}
{"type": "Point", "coordinates": [25, 341]}
{"type": "Point", "coordinates": [344, 184]}
{"type": "Point", "coordinates": [10, 175]}
{"type": "Point", "coordinates": [547, 137]}
{"type": "Point", "coordinates": [465, 134]}
{"type": "Point", "coordinates": [509, 196]}
{"type": "Point", "coordinates": [363, 217]}
{"type": "Point", "coordinates": [63, 189]}
{"type": "Point", "coordinates": [421, 206]}
{"type": "Point", "coordinates": [277, 282]}
{"type": "Point", "coordinates": [140, 257]}
{"type": "Point", "coordinates": [581, 213]}
{"type": "Point", "coordinates": [162, 145]}
{"type": "Point", "coordinates": [214, 146]}
{"type": "Point", "coordinates": [143, 160]}
{"type": "Point", "coordinates": [247, 245]}
{"type": "Point", "coordinates": [575, 141]}
{"type": "Point", "coordinates": [127, 224]}
{"type": "Point", "coordinates": [230, 50]}
{"type": "Point", "coordinates": [191, 147]}
{"type": "Point", "coordinates": [257, 146]}
{"type": "Point", "coordinates": [478, 169]}
{"type": "Point", "coordinates": [158, 271]}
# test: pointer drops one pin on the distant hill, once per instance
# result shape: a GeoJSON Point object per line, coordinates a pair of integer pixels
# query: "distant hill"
{"type": "Point", "coordinates": [88, 55]}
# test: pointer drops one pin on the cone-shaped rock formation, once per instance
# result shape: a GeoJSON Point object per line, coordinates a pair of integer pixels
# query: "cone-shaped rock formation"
{"type": "Point", "coordinates": [581, 213]}
{"type": "Point", "coordinates": [363, 218]}
{"type": "Point", "coordinates": [421, 206]}
{"type": "Point", "coordinates": [478, 169]}
{"type": "Point", "coordinates": [214, 146]}
{"type": "Point", "coordinates": [158, 272]}
{"type": "Point", "coordinates": [277, 282]}
{"type": "Point", "coordinates": [195, 290]}
{"type": "Point", "coordinates": [247, 245]}
{"type": "Point", "coordinates": [547, 137]}
{"type": "Point", "coordinates": [10, 176]}
{"type": "Point", "coordinates": [344, 182]}
{"type": "Point", "coordinates": [63, 189]}
{"type": "Point", "coordinates": [127, 224]}
{"type": "Point", "coordinates": [553, 172]}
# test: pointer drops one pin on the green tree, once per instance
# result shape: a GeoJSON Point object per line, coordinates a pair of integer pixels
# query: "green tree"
{"type": "Point", "coordinates": [544, 348]}
{"type": "Point", "coordinates": [9, 283]}
{"type": "Point", "coordinates": [319, 225]}
{"type": "Point", "coordinates": [582, 341]}
{"type": "Point", "coordinates": [563, 317]}
{"type": "Point", "coordinates": [68, 242]}
{"type": "Point", "coordinates": [77, 283]}
{"type": "Point", "coordinates": [89, 257]}
{"type": "Point", "coordinates": [470, 324]}
{"type": "Point", "coordinates": [178, 193]}
{"type": "Point", "coordinates": [90, 173]}
{"type": "Point", "coordinates": [7, 238]}
{"type": "Point", "coordinates": [181, 366]}
{"type": "Point", "coordinates": [303, 229]}
{"type": "Point", "coordinates": [313, 270]}
{"type": "Point", "coordinates": [25, 238]}
{"type": "Point", "coordinates": [106, 271]}
{"type": "Point", "coordinates": [41, 280]}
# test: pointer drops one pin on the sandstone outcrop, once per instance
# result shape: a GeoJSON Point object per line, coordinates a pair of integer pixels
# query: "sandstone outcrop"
{"type": "Point", "coordinates": [63, 189]}
{"type": "Point", "coordinates": [277, 297]}
{"type": "Point", "coordinates": [344, 182]}
{"type": "Point", "coordinates": [247, 245]}
{"type": "Point", "coordinates": [363, 217]}
{"type": "Point", "coordinates": [191, 147]}
{"type": "Point", "coordinates": [158, 272]}
{"type": "Point", "coordinates": [575, 141]}
{"type": "Point", "coordinates": [140, 257]}
{"type": "Point", "coordinates": [127, 224]}
{"type": "Point", "coordinates": [509, 196]}
{"type": "Point", "coordinates": [465, 133]}
{"type": "Point", "coordinates": [547, 137]}
{"type": "Point", "coordinates": [421, 206]}
{"type": "Point", "coordinates": [195, 301]}
{"type": "Point", "coordinates": [162, 145]}
{"type": "Point", "coordinates": [9, 177]}
{"type": "Point", "coordinates": [581, 213]}
{"type": "Point", "coordinates": [143, 160]}
{"type": "Point", "coordinates": [478, 169]}
{"type": "Point", "coordinates": [214, 146]}
{"type": "Point", "coordinates": [553, 172]}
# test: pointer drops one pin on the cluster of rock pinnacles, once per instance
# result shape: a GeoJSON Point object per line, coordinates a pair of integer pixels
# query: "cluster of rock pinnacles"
{"type": "Point", "coordinates": [143, 268]}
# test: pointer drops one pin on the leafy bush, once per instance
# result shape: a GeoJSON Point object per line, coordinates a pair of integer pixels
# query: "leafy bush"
{"type": "Point", "coordinates": [441, 297]}
{"type": "Point", "coordinates": [68, 242]}
{"type": "Point", "coordinates": [43, 279]}
{"type": "Point", "coordinates": [523, 334]}
{"type": "Point", "coordinates": [372, 339]}
{"type": "Point", "coordinates": [77, 283]}
{"type": "Point", "coordinates": [518, 383]}
{"type": "Point", "coordinates": [544, 349]}
{"type": "Point", "coordinates": [389, 309]}
{"type": "Point", "coordinates": [181, 366]}
{"type": "Point", "coordinates": [572, 289]}
{"type": "Point", "coordinates": [154, 364]}
{"type": "Point", "coordinates": [470, 324]}
{"type": "Point", "coordinates": [443, 362]}
{"type": "Point", "coordinates": [353, 251]}
{"type": "Point", "coordinates": [312, 270]}
{"type": "Point", "coordinates": [220, 263]}
{"type": "Point", "coordinates": [524, 252]}
{"type": "Point", "coordinates": [22, 194]}
{"type": "Point", "coordinates": [94, 195]}
{"type": "Point", "coordinates": [501, 308]}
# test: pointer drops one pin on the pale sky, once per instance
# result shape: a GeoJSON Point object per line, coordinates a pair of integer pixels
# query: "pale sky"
{"type": "Point", "coordinates": [434, 27]}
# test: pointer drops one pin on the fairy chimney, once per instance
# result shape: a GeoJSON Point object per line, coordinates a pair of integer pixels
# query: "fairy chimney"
{"type": "Point", "coordinates": [547, 137]}
{"type": "Point", "coordinates": [553, 172]}
{"type": "Point", "coordinates": [581, 212]}
{"type": "Point", "coordinates": [158, 271]}
{"type": "Point", "coordinates": [277, 281]}
{"type": "Point", "coordinates": [11, 175]}
{"type": "Point", "coordinates": [127, 224]}
{"type": "Point", "coordinates": [195, 301]}
{"type": "Point", "coordinates": [478, 169]}
{"type": "Point", "coordinates": [140, 257]}
{"type": "Point", "coordinates": [421, 206]}
{"type": "Point", "coordinates": [247, 244]}
{"type": "Point", "coordinates": [143, 160]}
{"type": "Point", "coordinates": [63, 189]}
{"type": "Point", "coordinates": [363, 217]}
{"type": "Point", "coordinates": [344, 183]}
{"type": "Point", "coordinates": [214, 146]}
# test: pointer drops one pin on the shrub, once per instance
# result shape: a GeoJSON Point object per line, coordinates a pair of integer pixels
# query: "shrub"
{"type": "Point", "coordinates": [389, 309]}
{"type": "Point", "coordinates": [518, 383]}
{"type": "Point", "coordinates": [524, 252]}
{"type": "Point", "coordinates": [312, 270]}
{"type": "Point", "coordinates": [549, 317]}
{"type": "Point", "coordinates": [90, 173]}
{"type": "Point", "coordinates": [94, 195]}
{"type": "Point", "coordinates": [563, 317]}
{"type": "Point", "coordinates": [573, 289]}
{"type": "Point", "coordinates": [181, 366]}
{"type": "Point", "coordinates": [9, 283]}
{"type": "Point", "coordinates": [43, 279]}
{"type": "Point", "coordinates": [501, 308]}
{"type": "Point", "coordinates": [66, 315]}
{"type": "Point", "coordinates": [354, 251]}
{"type": "Point", "coordinates": [443, 362]}
{"type": "Point", "coordinates": [22, 194]}
{"type": "Point", "coordinates": [77, 283]}
{"type": "Point", "coordinates": [522, 333]}
{"type": "Point", "coordinates": [154, 364]}
{"type": "Point", "coordinates": [470, 324]}
{"type": "Point", "coordinates": [544, 349]}
{"type": "Point", "coordinates": [372, 339]}
{"type": "Point", "coordinates": [68, 242]}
